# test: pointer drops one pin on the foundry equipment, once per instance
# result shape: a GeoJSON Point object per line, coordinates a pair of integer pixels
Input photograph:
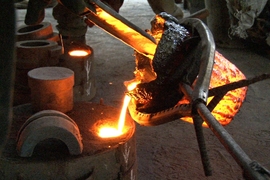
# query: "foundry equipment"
{"type": "Point", "coordinates": [96, 12]}
{"type": "Point", "coordinates": [55, 137]}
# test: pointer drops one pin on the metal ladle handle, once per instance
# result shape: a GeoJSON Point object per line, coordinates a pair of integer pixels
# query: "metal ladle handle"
{"type": "Point", "coordinates": [113, 23]}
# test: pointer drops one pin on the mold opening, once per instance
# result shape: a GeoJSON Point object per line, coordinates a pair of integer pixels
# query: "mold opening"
{"type": "Point", "coordinates": [35, 43]}
{"type": "Point", "coordinates": [51, 148]}
{"type": "Point", "coordinates": [30, 28]}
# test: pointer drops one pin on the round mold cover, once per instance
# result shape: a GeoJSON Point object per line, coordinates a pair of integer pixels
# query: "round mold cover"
{"type": "Point", "coordinates": [48, 124]}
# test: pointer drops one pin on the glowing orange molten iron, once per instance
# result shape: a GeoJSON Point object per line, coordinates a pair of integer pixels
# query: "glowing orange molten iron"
{"type": "Point", "coordinates": [108, 132]}
{"type": "Point", "coordinates": [79, 53]}
{"type": "Point", "coordinates": [224, 72]}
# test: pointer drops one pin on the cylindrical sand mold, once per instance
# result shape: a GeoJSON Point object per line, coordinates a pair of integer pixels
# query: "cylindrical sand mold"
{"type": "Point", "coordinates": [101, 159]}
{"type": "Point", "coordinates": [37, 53]}
{"type": "Point", "coordinates": [32, 54]}
{"type": "Point", "coordinates": [51, 88]}
{"type": "Point", "coordinates": [42, 31]}
{"type": "Point", "coordinates": [80, 60]}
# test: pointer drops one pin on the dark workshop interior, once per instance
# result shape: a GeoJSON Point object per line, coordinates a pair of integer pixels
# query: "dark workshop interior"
{"type": "Point", "coordinates": [199, 108]}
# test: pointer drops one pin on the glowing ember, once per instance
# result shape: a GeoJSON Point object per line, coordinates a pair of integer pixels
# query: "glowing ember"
{"type": "Point", "coordinates": [79, 53]}
{"type": "Point", "coordinates": [107, 132]}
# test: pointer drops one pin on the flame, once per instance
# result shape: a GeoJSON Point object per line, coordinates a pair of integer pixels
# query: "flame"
{"type": "Point", "coordinates": [107, 132]}
{"type": "Point", "coordinates": [78, 53]}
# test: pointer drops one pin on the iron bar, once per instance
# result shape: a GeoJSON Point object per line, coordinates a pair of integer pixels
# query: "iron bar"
{"type": "Point", "coordinates": [228, 142]}
{"type": "Point", "coordinates": [220, 91]}
{"type": "Point", "coordinates": [207, 58]}
{"type": "Point", "coordinates": [237, 84]}
{"type": "Point", "coordinates": [197, 122]}
{"type": "Point", "coordinates": [213, 103]}
{"type": "Point", "coordinates": [250, 171]}
{"type": "Point", "coordinates": [201, 14]}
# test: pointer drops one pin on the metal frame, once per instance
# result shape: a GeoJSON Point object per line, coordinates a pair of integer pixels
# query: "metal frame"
{"type": "Point", "coordinates": [198, 110]}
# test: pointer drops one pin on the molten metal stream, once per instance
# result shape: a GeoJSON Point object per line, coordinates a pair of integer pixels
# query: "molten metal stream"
{"type": "Point", "coordinates": [107, 132]}
{"type": "Point", "coordinates": [225, 73]}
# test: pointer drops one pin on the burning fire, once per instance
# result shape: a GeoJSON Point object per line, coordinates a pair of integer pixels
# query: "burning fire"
{"type": "Point", "coordinates": [108, 132]}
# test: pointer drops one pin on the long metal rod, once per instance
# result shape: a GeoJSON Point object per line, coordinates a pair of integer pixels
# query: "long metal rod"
{"type": "Point", "coordinates": [207, 58]}
{"type": "Point", "coordinates": [197, 121]}
{"type": "Point", "coordinates": [228, 142]}
{"type": "Point", "coordinates": [214, 102]}
{"type": "Point", "coordinates": [250, 167]}
{"type": "Point", "coordinates": [238, 84]}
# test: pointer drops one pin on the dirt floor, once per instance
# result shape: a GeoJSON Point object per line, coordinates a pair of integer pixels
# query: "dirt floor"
{"type": "Point", "coordinates": [170, 151]}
